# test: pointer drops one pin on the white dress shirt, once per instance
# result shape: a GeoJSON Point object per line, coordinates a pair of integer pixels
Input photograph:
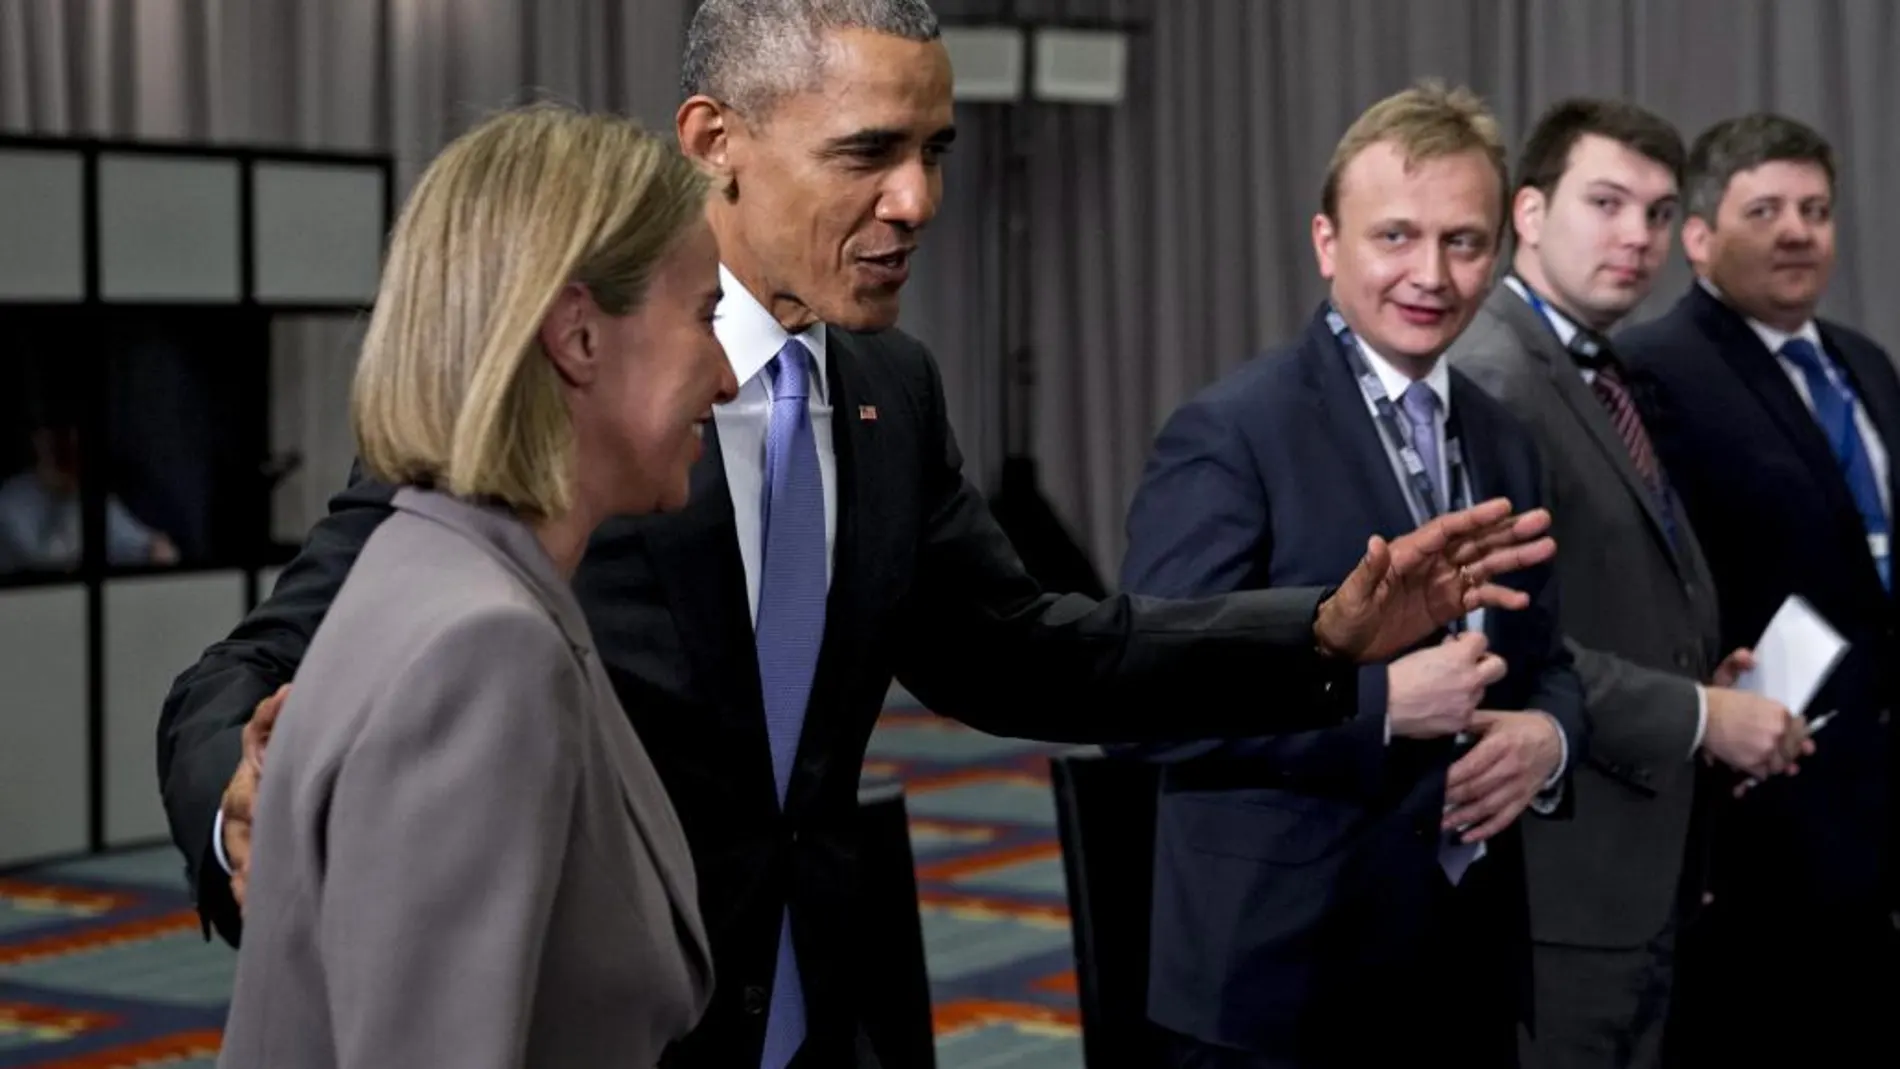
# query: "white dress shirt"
{"type": "Point", "coordinates": [751, 338]}
{"type": "Point", "coordinates": [1438, 380]}
{"type": "Point", "coordinates": [1566, 330]}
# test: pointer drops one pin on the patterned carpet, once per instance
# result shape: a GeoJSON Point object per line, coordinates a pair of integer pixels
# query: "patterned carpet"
{"type": "Point", "coordinates": [102, 965]}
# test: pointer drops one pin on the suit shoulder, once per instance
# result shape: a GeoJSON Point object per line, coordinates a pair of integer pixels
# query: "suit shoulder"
{"type": "Point", "coordinates": [1489, 341]}
{"type": "Point", "coordinates": [1261, 381]}
{"type": "Point", "coordinates": [438, 590]}
{"type": "Point", "coordinates": [892, 370]}
{"type": "Point", "coordinates": [1476, 402]}
{"type": "Point", "coordinates": [1843, 333]}
{"type": "Point", "coordinates": [1649, 341]}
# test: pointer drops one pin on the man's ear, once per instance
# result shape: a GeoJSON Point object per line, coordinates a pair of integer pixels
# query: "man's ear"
{"type": "Point", "coordinates": [1696, 238]}
{"type": "Point", "coordinates": [1527, 213]}
{"type": "Point", "coordinates": [705, 129]}
{"type": "Point", "coordinates": [1325, 239]}
{"type": "Point", "coordinates": [567, 336]}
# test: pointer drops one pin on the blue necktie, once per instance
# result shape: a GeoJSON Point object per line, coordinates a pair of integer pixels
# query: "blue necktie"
{"type": "Point", "coordinates": [789, 631]}
{"type": "Point", "coordinates": [1420, 405]}
{"type": "Point", "coordinates": [1834, 410]}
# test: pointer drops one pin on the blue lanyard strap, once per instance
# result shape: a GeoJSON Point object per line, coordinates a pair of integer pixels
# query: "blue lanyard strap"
{"type": "Point", "coordinates": [1388, 420]}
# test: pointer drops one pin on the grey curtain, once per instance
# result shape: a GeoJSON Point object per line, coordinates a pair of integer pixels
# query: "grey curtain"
{"type": "Point", "coordinates": [1172, 233]}
{"type": "Point", "coordinates": [1169, 234]}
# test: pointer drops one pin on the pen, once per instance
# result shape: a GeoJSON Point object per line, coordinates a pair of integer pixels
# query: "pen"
{"type": "Point", "coordinates": [1819, 723]}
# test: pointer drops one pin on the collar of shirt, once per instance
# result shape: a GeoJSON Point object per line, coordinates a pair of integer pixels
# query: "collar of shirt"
{"type": "Point", "coordinates": [751, 336]}
{"type": "Point", "coordinates": [1566, 330]}
{"type": "Point", "coordinates": [1772, 338]}
{"type": "Point", "coordinates": [1396, 382]}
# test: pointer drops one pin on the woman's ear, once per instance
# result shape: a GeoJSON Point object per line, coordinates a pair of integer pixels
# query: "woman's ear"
{"type": "Point", "coordinates": [568, 335]}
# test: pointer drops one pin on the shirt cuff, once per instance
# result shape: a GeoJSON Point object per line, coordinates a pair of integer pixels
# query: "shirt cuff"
{"type": "Point", "coordinates": [1563, 754]}
{"type": "Point", "coordinates": [1701, 718]}
{"type": "Point", "coordinates": [1552, 793]}
{"type": "Point", "coordinates": [217, 841]}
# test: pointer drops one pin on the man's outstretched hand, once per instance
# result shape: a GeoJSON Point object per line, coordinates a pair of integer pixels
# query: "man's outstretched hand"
{"type": "Point", "coordinates": [1404, 590]}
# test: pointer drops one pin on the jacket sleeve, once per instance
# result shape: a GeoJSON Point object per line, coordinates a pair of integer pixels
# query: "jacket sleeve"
{"type": "Point", "coordinates": [983, 643]}
{"type": "Point", "coordinates": [200, 727]}
{"type": "Point", "coordinates": [445, 835]}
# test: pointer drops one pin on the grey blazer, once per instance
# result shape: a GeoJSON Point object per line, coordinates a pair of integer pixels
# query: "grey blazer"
{"type": "Point", "coordinates": [462, 856]}
{"type": "Point", "coordinates": [1640, 617]}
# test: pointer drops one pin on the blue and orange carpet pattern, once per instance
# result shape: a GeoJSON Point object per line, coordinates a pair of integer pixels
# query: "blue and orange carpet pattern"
{"type": "Point", "coordinates": [102, 965]}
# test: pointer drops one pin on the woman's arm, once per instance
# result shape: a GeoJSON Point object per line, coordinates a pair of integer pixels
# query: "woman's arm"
{"type": "Point", "coordinates": [448, 823]}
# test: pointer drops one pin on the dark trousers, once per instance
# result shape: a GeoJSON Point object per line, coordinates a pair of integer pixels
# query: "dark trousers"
{"type": "Point", "coordinates": [1459, 1009]}
{"type": "Point", "coordinates": [1785, 987]}
{"type": "Point", "coordinates": [1601, 1009]}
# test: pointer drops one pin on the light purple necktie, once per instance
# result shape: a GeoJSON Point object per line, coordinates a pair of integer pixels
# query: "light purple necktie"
{"type": "Point", "coordinates": [1421, 413]}
{"type": "Point", "coordinates": [790, 630]}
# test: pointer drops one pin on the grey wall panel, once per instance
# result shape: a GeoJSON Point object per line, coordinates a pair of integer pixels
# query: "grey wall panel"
{"type": "Point", "coordinates": [43, 795]}
{"type": "Point", "coordinates": [155, 628]}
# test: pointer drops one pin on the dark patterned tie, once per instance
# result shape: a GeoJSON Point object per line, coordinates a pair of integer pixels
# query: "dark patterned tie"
{"type": "Point", "coordinates": [1592, 351]}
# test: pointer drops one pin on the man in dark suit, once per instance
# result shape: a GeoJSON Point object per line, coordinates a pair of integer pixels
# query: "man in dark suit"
{"type": "Point", "coordinates": [831, 543]}
{"type": "Point", "coordinates": [1355, 896]}
{"type": "Point", "coordinates": [1777, 430]}
{"type": "Point", "coordinates": [1594, 215]}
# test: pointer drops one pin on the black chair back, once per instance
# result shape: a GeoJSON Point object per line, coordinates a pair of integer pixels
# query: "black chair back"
{"type": "Point", "coordinates": [1105, 813]}
{"type": "Point", "coordinates": [895, 995]}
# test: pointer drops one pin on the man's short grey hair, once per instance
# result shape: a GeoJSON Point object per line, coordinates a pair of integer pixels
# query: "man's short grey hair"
{"type": "Point", "coordinates": [1742, 144]}
{"type": "Point", "coordinates": [747, 53]}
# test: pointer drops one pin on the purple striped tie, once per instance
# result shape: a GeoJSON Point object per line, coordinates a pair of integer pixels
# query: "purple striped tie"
{"type": "Point", "coordinates": [789, 631]}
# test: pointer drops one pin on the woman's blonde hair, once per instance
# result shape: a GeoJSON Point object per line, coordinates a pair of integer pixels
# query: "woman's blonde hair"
{"type": "Point", "coordinates": [452, 389]}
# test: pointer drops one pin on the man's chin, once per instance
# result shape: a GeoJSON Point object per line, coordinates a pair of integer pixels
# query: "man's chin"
{"type": "Point", "coordinates": [866, 312]}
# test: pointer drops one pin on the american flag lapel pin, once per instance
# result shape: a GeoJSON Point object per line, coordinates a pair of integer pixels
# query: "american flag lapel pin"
{"type": "Point", "coordinates": [867, 413]}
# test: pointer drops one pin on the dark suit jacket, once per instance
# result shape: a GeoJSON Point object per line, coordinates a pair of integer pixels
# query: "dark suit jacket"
{"type": "Point", "coordinates": [925, 587]}
{"type": "Point", "coordinates": [1297, 880]}
{"type": "Point", "coordinates": [1775, 518]}
{"type": "Point", "coordinates": [1640, 615]}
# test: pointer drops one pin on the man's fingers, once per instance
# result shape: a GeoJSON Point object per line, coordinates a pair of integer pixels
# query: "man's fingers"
{"type": "Point", "coordinates": [1491, 669]}
{"type": "Point", "coordinates": [1486, 563]}
{"type": "Point", "coordinates": [1358, 587]}
{"type": "Point", "coordinates": [1502, 809]}
{"type": "Point", "coordinates": [1468, 802]}
{"type": "Point", "coordinates": [1466, 522]}
{"type": "Point", "coordinates": [263, 720]}
{"type": "Point", "coordinates": [1494, 596]}
{"type": "Point", "coordinates": [1466, 769]}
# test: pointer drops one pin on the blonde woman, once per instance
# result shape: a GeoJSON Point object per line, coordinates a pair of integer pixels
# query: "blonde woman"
{"type": "Point", "coordinates": [462, 854]}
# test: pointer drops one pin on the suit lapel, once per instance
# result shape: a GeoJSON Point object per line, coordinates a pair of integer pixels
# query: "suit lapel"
{"type": "Point", "coordinates": [695, 555]}
{"type": "Point", "coordinates": [1342, 411]}
{"type": "Point", "coordinates": [1864, 373]}
{"type": "Point", "coordinates": [1484, 467]}
{"type": "Point", "coordinates": [1540, 340]}
{"type": "Point", "coordinates": [646, 802]}
{"type": "Point", "coordinates": [1880, 403]}
{"type": "Point", "coordinates": [1742, 349]}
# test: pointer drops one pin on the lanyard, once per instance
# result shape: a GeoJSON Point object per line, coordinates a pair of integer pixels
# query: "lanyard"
{"type": "Point", "coordinates": [1400, 441]}
{"type": "Point", "coordinates": [1543, 311]}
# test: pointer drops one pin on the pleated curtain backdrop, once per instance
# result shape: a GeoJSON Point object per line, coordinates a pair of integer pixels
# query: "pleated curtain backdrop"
{"type": "Point", "coordinates": [1169, 234]}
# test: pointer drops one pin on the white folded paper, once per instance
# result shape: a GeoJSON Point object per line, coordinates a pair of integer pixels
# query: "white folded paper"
{"type": "Point", "coordinates": [1796, 654]}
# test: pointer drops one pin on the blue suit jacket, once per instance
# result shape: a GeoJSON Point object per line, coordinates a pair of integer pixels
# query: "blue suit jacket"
{"type": "Point", "coordinates": [1775, 518]}
{"type": "Point", "coordinates": [1297, 878]}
